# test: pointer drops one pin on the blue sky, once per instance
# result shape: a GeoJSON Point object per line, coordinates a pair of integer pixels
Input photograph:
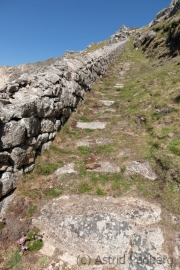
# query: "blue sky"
{"type": "Point", "coordinates": [35, 30]}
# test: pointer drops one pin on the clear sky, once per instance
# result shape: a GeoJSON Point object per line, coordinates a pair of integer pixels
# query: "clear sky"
{"type": "Point", "coordinates": [35, 30]}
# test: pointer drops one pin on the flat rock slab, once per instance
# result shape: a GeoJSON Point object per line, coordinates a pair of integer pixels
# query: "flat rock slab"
{"type": "Point", "coordinates": [69, 168]}
{"type": "Point", "coordinates": [91, 125]}
{"type": "Point", "coordinates": [142, 168]}
{"type": "Point", "coordinates": [119, 85]}
{"type": "Point", "coordinates": [106, 167]}
{"type": "Point", "coordinates": [5, 203]}
{"type": "Point", "coordinates": [88, 142]}
{"type": "Point", "coordinates": [82, 229]}
{"type": "Point", "coordinates": [123, 123]}
{"type": "Point", "coordinates": [107, 102]}
{"type": "Point", "coordinates": [106, 110]}
{"type": "Point", "coordinates": [125, 153]}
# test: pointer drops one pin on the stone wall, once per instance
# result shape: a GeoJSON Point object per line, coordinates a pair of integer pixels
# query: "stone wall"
{"type": "Point", "coordinates": [35, 106]}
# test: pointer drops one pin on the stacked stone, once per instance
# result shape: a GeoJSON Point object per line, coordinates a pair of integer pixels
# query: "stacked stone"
{"type": "Point", "coordinates": [122, 34]}
{"type": "Point", "coordinates": [35, 106]}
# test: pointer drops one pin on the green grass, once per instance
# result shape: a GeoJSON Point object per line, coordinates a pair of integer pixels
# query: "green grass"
{"type": "Point", "coordinates": [84, 187]}
{"type": "Point", "coordinates": [32, 209]}
{"type": "Point", "coordinates": [43, 260]}
{"type": "Point", "coordinates": [104, 149]}
{"type": "Point", "coordinates": [88, 130]}
{"type": "Point", "coordinates": [84, 150]}
{"type": "Point", "coordinates": [82, 171]}
{"type": "Point", "coordinates": [100, 192]}
{"type": "Point", "coordinates": [53, 193]}
{"type": "Point", "coordinates": [174, 147]}
{"type": "Point", "coordinates": [32, 193]}
{"type": "Point", "coordinates": [85, 118]}
{"type": "Point", "coordinates": [47, 168]}
{"type": "Point", "coordinates": [95, 46]}
{"type": "Point", "coordinates": [14, 258]}
{"type": "Point", "coordinates": [107, 84]}
{"type": "Point", "coordinates": [35, 245]}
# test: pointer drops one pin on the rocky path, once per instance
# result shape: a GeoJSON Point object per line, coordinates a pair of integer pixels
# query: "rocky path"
{"type": "Point", "coordinates": [101, 221]}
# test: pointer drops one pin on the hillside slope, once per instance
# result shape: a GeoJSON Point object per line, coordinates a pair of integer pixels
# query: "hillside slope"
{"type": "Point", "coordinates": [109, 186]}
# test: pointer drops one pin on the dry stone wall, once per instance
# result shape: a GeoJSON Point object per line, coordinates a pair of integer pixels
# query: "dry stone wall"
{"type": "Point", "coordinates": [35, 106]}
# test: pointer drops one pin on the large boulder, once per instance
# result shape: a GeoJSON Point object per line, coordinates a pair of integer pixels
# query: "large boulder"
{"type": "Point", "coordinates": [47, 125]}
{"type": "Point", "coordinates": [11, 134]}
{"type": "Point", "coordinates": [23, 155]}
{"type": "Point", "coordinates": [32, 126]}
{"type": "Point", "coordinates": [7, 183]}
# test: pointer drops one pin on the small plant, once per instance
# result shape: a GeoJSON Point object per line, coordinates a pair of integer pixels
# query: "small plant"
{"type": "Point", "coordinates": [100, 192]}
{"type": "Point", "coordinates": [53, 193]}
{"type": "Point", "coordinates": [33, 241]}
{"type": "Point", "coordinates": [35, 245]}
{"type": "Point", "coordinates": [116, 184]}
{"type": "Point", "coordinates": [43, 260]}
{"type": "Point", "coordinates": [48, 168]}
{"type": "Point", "coordinates": [174, 147]}
{"type": "Point", "coordinates": [84, 187]}
{"type": "Point", "coordinates": [88, 130]}
{"type": "Point", "coordinates": [82, 171]}
{"type": "Point", "coordinates": [32, 193]}
{"type": "Point", "coordinates": [85, 119]}
{"type": "Point", "coordinates": [14, 258]}
{"type": "Point", "coordinates": [84, 150]}
{"type": "Point", "coordinates": [32, 209]}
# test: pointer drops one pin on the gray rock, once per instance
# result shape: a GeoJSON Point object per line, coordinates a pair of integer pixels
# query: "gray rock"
{"type": "Point", "coordinates": [32, 126]}
{"type": "Point", "coordinates": [69, 168]}
{"type": "Point", "coordinates": [121, 34]}
{"type": "Point", "coordinates": [45, 146]}
{"type": "Point", "coordinates": [22, 109]}
{"type": "Point", "coordinates": [42, 138]}
{"type": "Point", "coordinates": [45, 107]}
{"type": "Point", "coordinates": [5, 203]}
{"type": "Point", "coordinates": [92, 125]}
{"type": "Point", "coordinates": [57, 125]}
{"type": "Point", "coordinates": [11, 134]}
{"type": "Point", "coordinates": [29, 168]}
{"type": "Point", "coordinates": [9, 169]}
{"type": "Point", "coordinates": [107, 102]}
{"type": "Point", "coordinates": [47, 125]}
{"type": "Point", "coordinates": [23, 155]}
{"type": "Point", "coordinates": [52, 77]}
{"type": "Point", "coordinates": [7, 183]}
{"type": "Point", "coordinates": [52, 136]}
{"type": "Point", "coordinates": [123, 227]}
{"type": "Point", "coordinates": [142, 168]}
{"type": "Point", "coordinates": [31, 141]}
